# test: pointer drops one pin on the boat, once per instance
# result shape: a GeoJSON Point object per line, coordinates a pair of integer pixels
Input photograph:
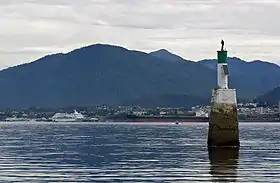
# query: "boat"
{"type": "Point", "coordinates": [178, 119]}
{"type": "Point", "coordinates": [44, 120]}
{"type": "Point", "coordinates": [261, 118]}
{"type": "Point", "coordinates": [92, 120]}
{"type": "Point", "coordinates": [157, 118]}
{"type": "Point", "coordinates": [168, 118]}
{"type": "Point", "coordinates": [69, 117]}
{"type": "Point", "coordinates": [15, 119]}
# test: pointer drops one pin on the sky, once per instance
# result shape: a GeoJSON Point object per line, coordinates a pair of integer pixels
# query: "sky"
{"type": "Point", "coordinates": [193, 29]}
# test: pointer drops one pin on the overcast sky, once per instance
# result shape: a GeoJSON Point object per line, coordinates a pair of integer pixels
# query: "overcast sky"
{"type": "Point", "coordinates": [192, 29]}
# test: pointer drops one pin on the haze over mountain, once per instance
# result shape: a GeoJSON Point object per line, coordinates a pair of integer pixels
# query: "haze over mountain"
{"type": "Point", "coordinates": [105, 74]}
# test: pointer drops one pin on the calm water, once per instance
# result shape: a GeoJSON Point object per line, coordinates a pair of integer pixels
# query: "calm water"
{"type": "Point", "coordinates": [50, 152]}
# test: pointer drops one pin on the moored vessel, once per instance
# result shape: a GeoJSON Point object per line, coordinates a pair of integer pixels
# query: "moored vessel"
{"type": "Point", "coordinates": [72, 117]}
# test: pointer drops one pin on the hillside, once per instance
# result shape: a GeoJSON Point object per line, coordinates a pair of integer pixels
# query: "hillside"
{"type": "Point", "coordinates": [168, 100]}
{"type": "Point", "coordinates": [272, 97]}
{"type": "Point", "coordinates": [99, 74]}
{"type": "Point", "coordinates": [166, 55]}
{"type": "Point", "coordinates": [251, 79]}
{"type": "Point", "coordinates": [105, 74]}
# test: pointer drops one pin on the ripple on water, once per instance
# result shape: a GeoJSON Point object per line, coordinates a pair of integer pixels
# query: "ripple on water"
{"type": "Point", "coordinates": [89, 152]}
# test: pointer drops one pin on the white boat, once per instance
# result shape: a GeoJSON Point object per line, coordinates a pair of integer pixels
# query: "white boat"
{"type": "Point", "coordinates": [15, 119]}
{"type": "Point", "coordinates": [66, 117]}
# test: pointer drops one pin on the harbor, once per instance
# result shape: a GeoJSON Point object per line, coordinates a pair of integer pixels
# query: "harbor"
{"type": "Point", "coordinates": [170, 115]}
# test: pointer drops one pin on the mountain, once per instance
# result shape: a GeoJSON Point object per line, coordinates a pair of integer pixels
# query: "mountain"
{"type": "Point", "coordinates": [106, 74]}
{"type": "Point", "coordinates": [99, 74]}
{"type": "Point", "coordinates": [166, 55]}
{"type": "Point", "coordinates": [271, 97]}
{"type": "Point", "coordinates": [251, 79]}
{"type": "Point", "coordinates": [168, 100]}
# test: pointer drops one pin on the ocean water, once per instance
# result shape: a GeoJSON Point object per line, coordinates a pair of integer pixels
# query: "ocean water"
{"type": "Point", "coordinates": [93, 152]}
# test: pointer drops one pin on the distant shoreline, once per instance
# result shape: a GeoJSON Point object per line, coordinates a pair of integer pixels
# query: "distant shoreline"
{"type": "Point", "coordinates": [152, 123]}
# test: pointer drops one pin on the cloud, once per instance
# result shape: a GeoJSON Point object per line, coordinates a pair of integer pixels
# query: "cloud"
{"type": "Point", "coordinates": [191, 28]}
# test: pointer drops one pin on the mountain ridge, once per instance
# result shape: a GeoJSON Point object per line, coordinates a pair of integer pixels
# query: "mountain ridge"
{"type": "Point", "coordinates": [108, 74]}
{"type": "Point", "coordinates": [253, 77]}
{"type": "Point", "coordinates": [93, 75]}
{"type": "Point", "coordinates": [166, 55]}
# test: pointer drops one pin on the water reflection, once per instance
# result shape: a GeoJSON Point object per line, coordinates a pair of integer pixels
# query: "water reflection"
{"type": "Point", "coordinates": [224, 164]}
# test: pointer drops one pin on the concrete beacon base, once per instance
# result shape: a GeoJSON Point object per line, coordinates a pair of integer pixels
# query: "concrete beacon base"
{"type": "Point", "coordinates": [223, 121]}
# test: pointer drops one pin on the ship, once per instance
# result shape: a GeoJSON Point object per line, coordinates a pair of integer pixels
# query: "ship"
{"type": "Point", "coordinates": [72, 117]}
{"type": "Point", "coordinates": [167, 118]}
{"type": "Point", "coordinates": [177, 119]}
{"type": "Point", "coordinates": [274, 117]}
{"type": "Point", "coordinates": [156, 118]}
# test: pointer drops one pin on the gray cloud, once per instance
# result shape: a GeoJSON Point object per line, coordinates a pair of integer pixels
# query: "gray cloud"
{"type": "Point", "coordinates": [191, 28]}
